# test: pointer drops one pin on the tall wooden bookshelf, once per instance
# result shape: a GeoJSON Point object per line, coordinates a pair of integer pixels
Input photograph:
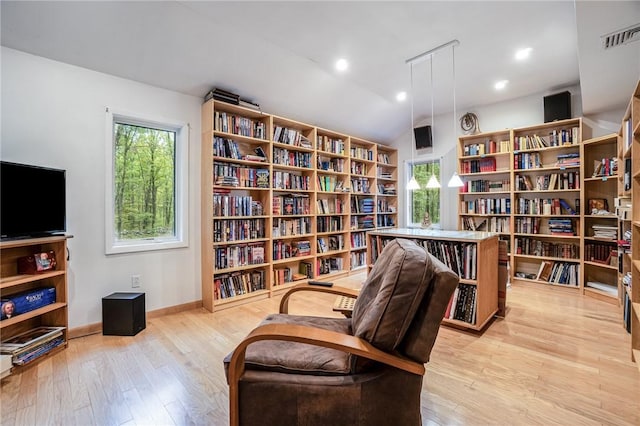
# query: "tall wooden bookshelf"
{"type": "Point", "coordinates": [599, 169]}
{"type": "Point", "coordinates": [284, 202]}
{"type": "Point", "coordinates": [471, 255]}
{"type": "Point", "coordinates": [629, 150]}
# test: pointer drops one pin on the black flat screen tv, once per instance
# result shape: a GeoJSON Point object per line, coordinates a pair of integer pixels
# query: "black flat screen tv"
{"type": "Point", "coordinates": [32, 201]}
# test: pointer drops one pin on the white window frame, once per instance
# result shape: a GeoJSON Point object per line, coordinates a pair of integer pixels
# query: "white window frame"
{"type": "Point", "coordinates": [408, 207]}
{"type": "Point", "coordinates": [181, 238]}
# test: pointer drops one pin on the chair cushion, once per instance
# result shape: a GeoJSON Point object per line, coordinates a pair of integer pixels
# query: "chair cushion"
{"type": "Point", "coordinates": [392, 294]}
{"type": "Point", "coordinates": [299, 358]}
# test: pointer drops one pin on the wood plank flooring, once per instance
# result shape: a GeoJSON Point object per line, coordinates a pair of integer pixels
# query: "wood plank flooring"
{"type": "Point", "coordinates": [557, 358]}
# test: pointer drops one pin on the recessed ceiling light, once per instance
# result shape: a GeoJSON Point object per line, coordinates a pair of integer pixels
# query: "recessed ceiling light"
{"type": "Point", "coordinates": [342, 64]}
{"type": "Point", "coordinates": [401, 96]}
{"type": "Point", "coordinates": [501, 84]}
{"type": "Point", "coordinates": [523, 54]}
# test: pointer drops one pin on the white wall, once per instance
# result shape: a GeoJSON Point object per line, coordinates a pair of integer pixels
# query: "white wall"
{"type": "Point", "coordinates": [520, 112]}
{"type": "Point", "coordinates": [53, 114]}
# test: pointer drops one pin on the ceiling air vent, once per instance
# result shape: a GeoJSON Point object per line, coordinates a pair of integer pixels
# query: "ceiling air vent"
{"type": "Point", "coordinates": [620, 37]}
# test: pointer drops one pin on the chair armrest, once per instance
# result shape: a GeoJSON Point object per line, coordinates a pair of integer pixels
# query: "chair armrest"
{"type": "Point", "coordinates": [339, 291]}
{"type": "Point", "coordinates": [313, 336]}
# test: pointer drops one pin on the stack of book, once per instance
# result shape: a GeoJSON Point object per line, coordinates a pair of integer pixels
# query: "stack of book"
{"type": "Point", "coordinates": [561, 227]}
{"type": "Point", "coordinates": [602, 231]}
{"type": "Point", "coordinates": [28, 346]}
{"type": "Point", "coordinates": [222, 95]}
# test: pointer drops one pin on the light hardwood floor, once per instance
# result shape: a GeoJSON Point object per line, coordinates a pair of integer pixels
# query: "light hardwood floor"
{"type": "Point", "coordinates": [557, 358]}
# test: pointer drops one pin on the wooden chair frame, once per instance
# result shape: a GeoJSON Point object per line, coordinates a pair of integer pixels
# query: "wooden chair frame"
{"type": "Point", "coordinates": [309, 335]}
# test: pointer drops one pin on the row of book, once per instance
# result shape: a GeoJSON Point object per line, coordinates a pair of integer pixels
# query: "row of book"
{"type": "Point", "coordinates": [291, 158]}
{"type": "Point", "coordinates": [358, 240]}
{"type": "Point", "coordinates": [289, 227]}
{"type": "Point", "coordinates": [486, 206]}
{"type": "Point", "coordinates": [287, 274]}
{"type": "Point", "coordinates": [488, 147]}
{"type": "Point", "coordinates": [329, 265]}
{"type": "Point", "coordinates": [329, 224]}
{"type": "Point", "coordinates": [32, 344]}
{"type": "Point", "coordinates": [238, 125]}
{"type": "Point", "coordinates": [236, 175]}
{"type": "Point", "coordinates": [558, 272]}
{"type": "Point", "coordinates": [527, 161]}
{"type": "Point", "coordinates": [527, 225]}
{"type": "Point", "coordinates": [535, 247]}
{"type": "Point", "coordinates": [239, 255]}
{"type": "Point", "coordinates": [601, 253]}
{"type": "Point", "coordinates": [360, 185]}
{"type": "Point", "coordinates": [330, 206]}
{"type": "Point", "coordinates": [288, 180]}
{"type": "Point", "coordinates": [462, 305]}
{"type": "Point", "coordinates": [385, 206]}
{"type": "Point", "coordinates": [459, 257]}
{"type": "Point", "coordinates": [358, 168]}
{"type": "Point", "coordinates": [487, 224]}
{"type": "Point", "coordinates": [286, 249]}
{"type": "Point", "coordinates": [383, 220]}
{"type": "Point", "coordinates": [291, 204]}
{"type": "Point", "coordinates": [529, 142]}
{"type": "Point", "coordinates": [238, 283]}
{"type": "Point", "coordinates": [330, 145]}
{"type": "Point", "coordinates": [361, 153]}
{"type": "Point", "coordinates": [383, 158]}
{"type": "Point", "coordinates": [486, 186]}
{"type": "Point", "coordinates": [548, 182]}
{"type": "Point", "coordinates": [238, 230]}
{"type": "Point", "coordinates": [605, 167]}
{"type": "Point", "coordinates": [362, 205]}
{"type": "Point", "coordinates": [329, 183]}
{"type": "Point", "coordinates": [290, 137]}
{"type": "Point", "coordinates": [331, 243]}
{"type": "Point", "coordinates": [479, 166]}
{"type": "Point", "coordinates": [236, 205]}
{"type": "Point", "coordinates": [543, 206]}
{"type": "Point", "coordinates": [331, 164]}
{"type": "Point", "coordinates": [358, 259]}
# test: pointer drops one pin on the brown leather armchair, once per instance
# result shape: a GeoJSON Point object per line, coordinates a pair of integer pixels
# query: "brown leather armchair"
{"type": "Point", "coordinates": [364, 370]}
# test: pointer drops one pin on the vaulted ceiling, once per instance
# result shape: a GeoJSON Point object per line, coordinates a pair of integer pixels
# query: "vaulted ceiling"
{"type": "Point", "coordinates": [282, 54]}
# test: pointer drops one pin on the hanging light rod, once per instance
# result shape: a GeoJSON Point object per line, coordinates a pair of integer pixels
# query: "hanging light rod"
{"type": "Point", "coordinates": [431, 52]}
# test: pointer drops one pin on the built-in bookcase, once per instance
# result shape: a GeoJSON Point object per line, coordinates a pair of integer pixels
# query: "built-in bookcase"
{"type": "Point", "coordinates": [284, 202]}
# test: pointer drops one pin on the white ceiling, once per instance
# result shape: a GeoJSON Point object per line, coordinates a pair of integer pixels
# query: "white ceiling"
{"type": "Point", "coordinates": [281, 54]}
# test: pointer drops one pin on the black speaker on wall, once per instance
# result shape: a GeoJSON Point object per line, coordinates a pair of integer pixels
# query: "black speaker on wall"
{"type": "Point", "coordinates": [557, 107]}
{"type": "Point", "coordinates": [423, 137]}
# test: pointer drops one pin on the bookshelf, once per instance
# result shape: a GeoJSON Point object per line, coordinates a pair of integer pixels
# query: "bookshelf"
{"type": "Point", "coordinates": [285, 201]}
{"type": "Point", "coordinates": [484, 164]}
{"type": "Point", "coordinates": [471, 255]}
{"type": "Point", "coordinates": [11, 282]}
{"type": "Point", "coordinates": [629, 151]}
{"type": "Point", "coordinates": [525, 184]}
{"type": "Point", "coordinates": [599, 169]}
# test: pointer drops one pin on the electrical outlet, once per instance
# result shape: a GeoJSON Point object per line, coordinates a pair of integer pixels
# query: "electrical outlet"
{"type": "Point", "coordinates": [136, 280]}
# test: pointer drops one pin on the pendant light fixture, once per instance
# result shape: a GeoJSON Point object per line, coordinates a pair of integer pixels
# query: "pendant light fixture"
{"type": "Point", "coordinates": [413, 184]}
{"type": "Point", "coordinates": [433, 180]}
{"type": "Point", "coordinates": [455, 181]}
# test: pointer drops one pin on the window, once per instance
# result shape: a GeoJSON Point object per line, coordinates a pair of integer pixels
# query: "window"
{"type": "Point", "coordinates": [424, 199]}
{"type": "Point", "coordinates": [146, 185]}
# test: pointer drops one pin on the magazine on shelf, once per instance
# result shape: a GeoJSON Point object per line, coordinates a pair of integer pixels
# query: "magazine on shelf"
{"type": "Point", "coordinates": [29, 339]}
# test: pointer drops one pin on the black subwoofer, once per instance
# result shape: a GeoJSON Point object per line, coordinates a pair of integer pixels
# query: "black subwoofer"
{"type": "Point", "coordinates": [123, 314]}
